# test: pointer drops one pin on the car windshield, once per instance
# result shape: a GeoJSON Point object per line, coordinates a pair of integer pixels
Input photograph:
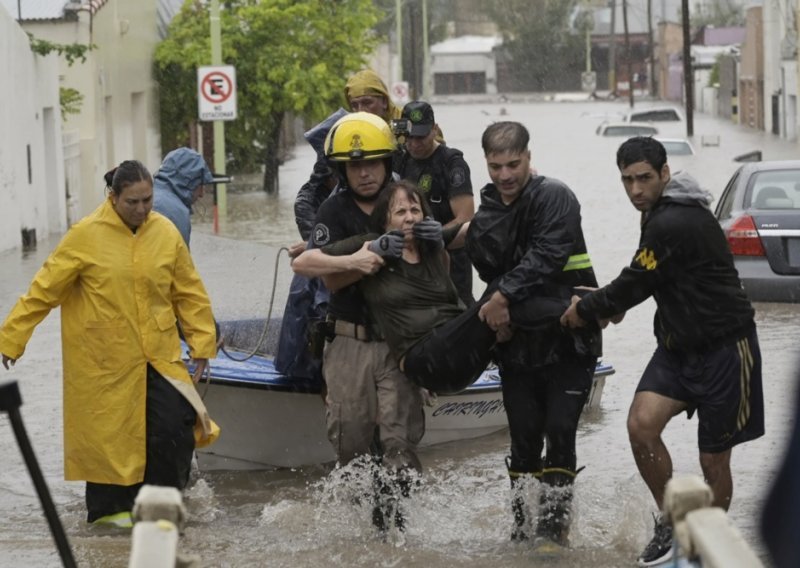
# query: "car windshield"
{"type": "Point", "coordinates": [624, 130]}
{"type": "Point", "coordinates": [665, 114]}
{"type": "Point", "coordinates": [775, 189]}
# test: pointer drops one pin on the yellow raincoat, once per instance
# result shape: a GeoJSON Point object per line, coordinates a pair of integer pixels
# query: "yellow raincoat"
{"type": "Point", "coordinates": [119, 294]}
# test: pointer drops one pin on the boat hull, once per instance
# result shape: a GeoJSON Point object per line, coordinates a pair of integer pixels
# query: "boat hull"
{"type": "Point", "coordinates": [269, 421]}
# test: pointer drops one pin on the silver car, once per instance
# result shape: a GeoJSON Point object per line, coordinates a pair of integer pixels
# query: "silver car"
{"type": "Point", "coordinates": [760, 214]}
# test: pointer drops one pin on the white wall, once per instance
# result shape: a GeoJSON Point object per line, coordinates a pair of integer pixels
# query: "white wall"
{"type": "Point", "coordinates": [780, 75]}
{"type": "Point", "coordinates": [789, 100]}
{"type": "Point", "coordinates": [31, 189]}
{"type": "Point", "coordinates": [119, 116]}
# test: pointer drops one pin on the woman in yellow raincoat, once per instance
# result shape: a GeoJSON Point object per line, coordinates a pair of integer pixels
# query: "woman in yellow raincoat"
{"type": "Point", "coordinates": [132, 415]}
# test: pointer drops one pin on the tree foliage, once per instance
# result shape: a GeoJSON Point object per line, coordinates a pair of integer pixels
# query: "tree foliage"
{"type": "Point", "coordinates": [544, 52]}
{"type": "Point", "coordinates": [70, 99]}
{"type": "Point", "coordinates": [719, 14]}
{"type": "Point", "coordinates": [71, 51]}
{"type": "Point", "coordinates": [290, 56]}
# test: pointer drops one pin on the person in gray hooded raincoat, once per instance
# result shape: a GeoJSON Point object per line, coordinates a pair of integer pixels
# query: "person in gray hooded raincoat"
{"type": "Point", "coordinates": [178, 184]}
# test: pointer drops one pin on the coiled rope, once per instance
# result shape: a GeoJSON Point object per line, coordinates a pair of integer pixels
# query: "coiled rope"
{"type": "Point", "coordinates": [206, 378]}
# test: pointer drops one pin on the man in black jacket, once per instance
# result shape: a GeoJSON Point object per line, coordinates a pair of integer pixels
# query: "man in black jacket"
{"type": "Point", "coordinates": [526, 241]}
{"type": "Point", "coordinates": [708, 357]}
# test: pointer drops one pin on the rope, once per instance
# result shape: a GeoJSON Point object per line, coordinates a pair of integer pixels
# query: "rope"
{"type": "Point", "coordinates": [207, 372]}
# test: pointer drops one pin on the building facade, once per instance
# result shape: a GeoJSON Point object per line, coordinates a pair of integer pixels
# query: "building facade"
{"type": "Point", "coordinates": [119, 118]}
{"type": "Point", "coordinates": [32, 186]}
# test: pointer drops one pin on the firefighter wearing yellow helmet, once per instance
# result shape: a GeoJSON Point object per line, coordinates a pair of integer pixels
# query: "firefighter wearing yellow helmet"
{"type": "Point", "coordinates": [362, 146]}
{"type": "Point", "coordinates": [359, 136]}
{"type": "Point", "coordinates": [365, 386]}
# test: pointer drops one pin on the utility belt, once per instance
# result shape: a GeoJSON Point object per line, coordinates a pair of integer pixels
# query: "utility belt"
{"type": "Point", "coordinates": [354, 330]}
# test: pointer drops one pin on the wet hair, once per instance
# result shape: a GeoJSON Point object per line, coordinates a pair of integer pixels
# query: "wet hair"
{"type": "Point", "coordinates": [505, 136]}
{"type": "Point", "coordinates": [641, 149]}
{"type": "Point", "coordinates": [380, 214]}
{"type": "Point", "coordinates": [125, 174]}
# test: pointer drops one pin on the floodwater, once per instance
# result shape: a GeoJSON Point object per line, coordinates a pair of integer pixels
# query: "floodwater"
{"type": "Point", "coordinates": [460, 514]}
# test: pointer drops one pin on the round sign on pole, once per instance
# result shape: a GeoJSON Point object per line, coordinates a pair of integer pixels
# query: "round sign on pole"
{"type": "Point", "coordinates": [216, 92]}
{"type": "Point", "coordinates": [589, 81]}
{"type": "Point", "coordinates": [216, 87]}
{"type": "Point", "coordinates": [400, 92]}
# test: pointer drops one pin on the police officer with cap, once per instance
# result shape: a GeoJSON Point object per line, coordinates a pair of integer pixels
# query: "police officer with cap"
{"type": "Point", "coordinates": [444, 178]}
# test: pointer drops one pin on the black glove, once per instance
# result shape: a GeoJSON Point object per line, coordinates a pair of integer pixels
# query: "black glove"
{"type": "Point", "coordinates": [388, 245]}
{"type": "Point", "coordinates": [429, 230]}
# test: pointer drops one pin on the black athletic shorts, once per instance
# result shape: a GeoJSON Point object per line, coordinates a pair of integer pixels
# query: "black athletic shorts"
{"type": "Point", "coordinates": [723, 385]}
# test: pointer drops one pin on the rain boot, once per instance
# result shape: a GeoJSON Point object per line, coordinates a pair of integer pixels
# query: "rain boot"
{"type": "Point", "coordinates": [519, 509]}
{"type": "Point", "coordinates": [390, 488]}
{"type": "Point", "coordinates": [383, 499]}
{"type": "Point", "coordinates": [555, 505]}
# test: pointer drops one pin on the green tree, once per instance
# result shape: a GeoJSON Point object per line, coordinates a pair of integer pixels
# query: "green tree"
{"type": "Point", "coordinates": [290, 56]}
{"type": "Point", "coordinates": [719, 14]}
{"type": "Point", "coordinates": [70, 99]}
{"type": "Point", "coordinates": [544, 52]}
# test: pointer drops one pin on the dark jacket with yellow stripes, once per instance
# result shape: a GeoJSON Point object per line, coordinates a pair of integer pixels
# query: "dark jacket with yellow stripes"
{"type": "Point", "coordinates": [684, 262]}
{"type": "Point", "coordinates": [534, 247]}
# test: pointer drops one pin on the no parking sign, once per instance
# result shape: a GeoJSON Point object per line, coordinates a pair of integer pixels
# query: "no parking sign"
{"type": "Point", "coordinates": [216, 92]}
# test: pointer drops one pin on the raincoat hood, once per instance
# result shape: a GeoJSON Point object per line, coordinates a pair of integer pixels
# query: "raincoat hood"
{"type": "Point", "coordinates": [683, 188]}
{"type": "Point", "coordinates": [367, 82]}
{"type": "Point", "coordinates": [182, 171]}
{"type": "Point", "coordinates": [316, 135]}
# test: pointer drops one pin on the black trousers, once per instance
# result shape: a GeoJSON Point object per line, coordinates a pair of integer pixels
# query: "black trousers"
{"type": "Point", "coordinates": [545, 403]}
{"type": "Point", "coordinates": [461, 275]}
{"type": "Point", "coordinates": [449, 358]}
{"type": "Point", "coordinates": [170, 445]}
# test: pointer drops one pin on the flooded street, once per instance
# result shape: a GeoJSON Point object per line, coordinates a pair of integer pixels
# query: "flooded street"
{"type": "Point", "coordinates": [460, 515]}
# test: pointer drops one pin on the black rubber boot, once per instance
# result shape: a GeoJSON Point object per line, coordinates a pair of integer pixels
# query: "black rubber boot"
{"type": "Point", "coordinates": [555, 505]}
{"type": "Point", "coordinates": [390, 489]}
{"type": "Point", "coordinates": [521, 527]}
{"type": "Point", "coordinates": [383, 500]}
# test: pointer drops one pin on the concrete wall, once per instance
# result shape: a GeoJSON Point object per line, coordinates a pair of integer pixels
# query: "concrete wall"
{"type": "Point", "coordinates": [119, 117]}
{"type": "Point", "coordinates": [728, 85]}
{"type": "Point", "coordinates": [31, 158]}
{"type": "Point", "coordinates": [669, 45]}
{"type": "Point", "coordinates": [780, 66]}
{"type": "Point", "coordinates": [788, 116]}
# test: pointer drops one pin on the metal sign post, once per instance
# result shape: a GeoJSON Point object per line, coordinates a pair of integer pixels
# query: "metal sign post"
{"type": "Point", "coordinates": [216, 98]}
{"type": "Point", "coordinates": [10, 401]}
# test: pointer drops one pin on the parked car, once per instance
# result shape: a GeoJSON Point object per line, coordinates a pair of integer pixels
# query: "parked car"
{"type": "Point", "coordinates": [760, 213]}
{"type": "Point", "coordinates": [676, 146]}
{"type": "Point", "coordinates": [654, 114]}
{"type": "Point", "coordinates": [626, 129]}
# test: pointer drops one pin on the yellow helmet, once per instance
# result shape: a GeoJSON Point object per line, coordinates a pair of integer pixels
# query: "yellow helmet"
{"type": "Point", "coordinates": [359, 136]}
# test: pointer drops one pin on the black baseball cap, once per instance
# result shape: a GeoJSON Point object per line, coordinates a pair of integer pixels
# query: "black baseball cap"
{"type": "Point", "coordinates": [420, 115]}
